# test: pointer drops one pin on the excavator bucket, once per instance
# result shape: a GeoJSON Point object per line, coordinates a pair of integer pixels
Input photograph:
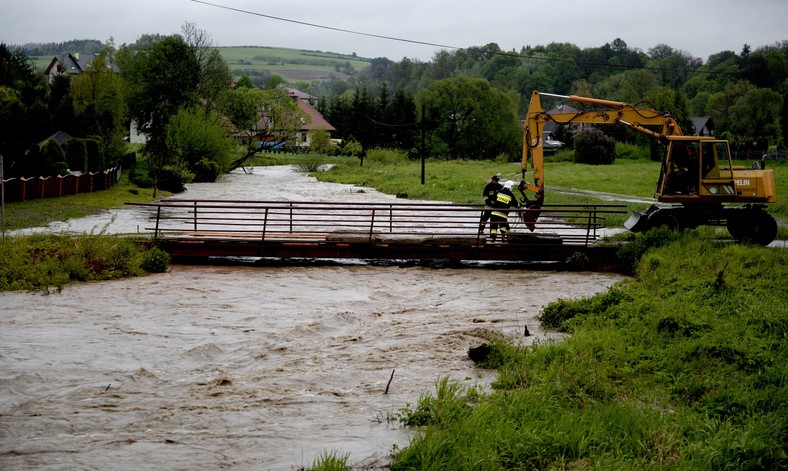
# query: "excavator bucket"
{"type": "Point", "coordinates": [637, 222]}
{"type": "Point", "coordinates": [530, 216]}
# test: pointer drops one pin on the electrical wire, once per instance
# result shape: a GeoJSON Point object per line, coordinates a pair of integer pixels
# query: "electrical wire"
{"type": "Point", "coordinates": [330, 28]}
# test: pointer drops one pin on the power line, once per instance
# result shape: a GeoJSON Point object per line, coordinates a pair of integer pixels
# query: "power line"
{"type": "Point", "coordinates": [330, 28]}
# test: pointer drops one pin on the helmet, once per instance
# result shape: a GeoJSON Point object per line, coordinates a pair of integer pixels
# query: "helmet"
{"type": "Point", "coordinates": [508, 184]}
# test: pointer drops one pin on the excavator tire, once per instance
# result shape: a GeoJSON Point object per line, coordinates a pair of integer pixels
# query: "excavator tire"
{"type": "Point", "coordinates": [665, 220]}
{"type": "Point", "coordinates": [754, 226]}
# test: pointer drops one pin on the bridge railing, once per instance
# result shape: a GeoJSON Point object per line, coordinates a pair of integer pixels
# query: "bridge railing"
{"type": "Point", "coordinates": [370, 222]}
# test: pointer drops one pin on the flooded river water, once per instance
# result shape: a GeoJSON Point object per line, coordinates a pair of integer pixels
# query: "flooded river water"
{"type": "Point", "coordinates": [248, 367]}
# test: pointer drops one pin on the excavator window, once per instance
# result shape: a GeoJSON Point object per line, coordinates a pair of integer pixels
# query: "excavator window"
{"type": "Point", "coordinates": [683, 178]}
{"type": "Point", "coordinates": [709, 158]}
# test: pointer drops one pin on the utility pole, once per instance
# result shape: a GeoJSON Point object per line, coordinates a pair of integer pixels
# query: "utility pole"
{"type": "Point", "coordinates": [423, 144]}
{"type": "Point", "coordinates": [2, 195]}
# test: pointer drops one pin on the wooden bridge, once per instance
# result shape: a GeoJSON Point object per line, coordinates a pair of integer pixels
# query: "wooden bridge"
{"type": "Point", "coordinates": [195, 229]}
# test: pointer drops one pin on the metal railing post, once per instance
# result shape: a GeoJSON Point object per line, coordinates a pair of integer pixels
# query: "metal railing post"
{"type": "Point", "coordinates": [195, 216]}
{"type": "Point", "coordinates": [371, 226]}
{"type": "Point", "coordinates": [265, 226]}
{"type": "Point", "coordinates": [158, 217]}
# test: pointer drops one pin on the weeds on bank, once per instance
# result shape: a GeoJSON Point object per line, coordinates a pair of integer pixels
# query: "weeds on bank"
{"type": "Point", "coordinates": [681, 367]}
{"type": "Point", "coordinates": [41, 262]}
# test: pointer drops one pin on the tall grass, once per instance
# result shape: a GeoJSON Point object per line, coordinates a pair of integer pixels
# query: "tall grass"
{"type": "Point", "coordinates": [681, 367]}
{"type": "Point", "coordinates": [41, 262]}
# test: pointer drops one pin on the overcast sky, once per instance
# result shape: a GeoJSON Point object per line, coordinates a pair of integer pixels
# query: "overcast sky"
{"type": "Point", "coordinates": [699, 27]}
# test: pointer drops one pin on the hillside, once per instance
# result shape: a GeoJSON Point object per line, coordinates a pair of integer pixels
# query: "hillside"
{"type": "Point", "coordinates": [292, 64]}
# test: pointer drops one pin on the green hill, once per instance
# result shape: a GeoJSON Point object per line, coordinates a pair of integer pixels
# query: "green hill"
{"type": "Point", "coordinates": [292, 64]}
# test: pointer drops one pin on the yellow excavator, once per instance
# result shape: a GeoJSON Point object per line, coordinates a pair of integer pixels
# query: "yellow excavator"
{"type": "Point", "coordinates": [697, 181]}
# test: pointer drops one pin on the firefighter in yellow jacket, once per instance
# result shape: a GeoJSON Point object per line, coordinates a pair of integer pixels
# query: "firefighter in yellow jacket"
{"type": "Point", "coordinates": [502, 202]}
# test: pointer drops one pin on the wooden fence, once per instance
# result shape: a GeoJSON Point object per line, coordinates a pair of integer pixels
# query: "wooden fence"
{"type": "Point", "coordinates": [25, 189]}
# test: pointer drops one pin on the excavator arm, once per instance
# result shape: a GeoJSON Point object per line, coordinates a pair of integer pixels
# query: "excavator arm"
{"type": "Point", "coordinates": [610, 112]}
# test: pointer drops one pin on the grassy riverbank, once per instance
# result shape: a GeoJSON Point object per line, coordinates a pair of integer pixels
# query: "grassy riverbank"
{"type": "Point", "coordinates": [682, 367]}
{"type": "Point", "coordinates": [45, 261]}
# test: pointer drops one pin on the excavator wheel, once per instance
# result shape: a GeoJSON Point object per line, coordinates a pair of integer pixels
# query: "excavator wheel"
{"type": "Point", "coordinates": [754, 226]}
{"type": "Point", "coordinates": [665, 221]}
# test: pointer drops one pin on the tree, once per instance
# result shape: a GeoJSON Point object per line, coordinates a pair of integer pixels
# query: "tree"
{"type": "Point", "coordinates": [199, 145]}
{"type": "Point", "coordinates": [470, 117]}
{"type": "Point", "coordinates": [24, 114]}
{"type": "Point", "coordinates": [100, 108]}
{"type": "Point", "coordinates": [319, 140]}
{"type": "Point", "coordinates": [164, 79]}
{"type": "Point", "coordinates": [756, 117]}
{"type": "Point", "coordinates": [213, 73]}
{"type": "Point", "coordinates": [720, 104]}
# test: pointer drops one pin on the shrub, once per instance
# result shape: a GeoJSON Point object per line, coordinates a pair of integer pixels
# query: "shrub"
{"type": "Point", "coordinates": [95, 158]}
{"type": "Point", "coordinates": [310, 163]}
{"type": "Point", "coordinates": [155, 260]}
{"type": "Point", "coordinates": [54, 159]}
{"type": "Point", "coordinates": [594, 147]}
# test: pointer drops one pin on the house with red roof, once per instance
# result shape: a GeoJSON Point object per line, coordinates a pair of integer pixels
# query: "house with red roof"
{"type": "Point", "coordinates": [314, 121]}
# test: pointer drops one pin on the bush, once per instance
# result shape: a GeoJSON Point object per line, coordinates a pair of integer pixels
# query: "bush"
{"type": "Point", "coordinates": [155, 260]}
{"type": "Point", "coordinates": [310, 163]}
{"type": "Point", "coordinates": [594, 147]}
{"type": "Point", "coordinates": [54, 159]}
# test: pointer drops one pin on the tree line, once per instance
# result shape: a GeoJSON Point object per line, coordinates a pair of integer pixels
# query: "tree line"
{"type": "Point", "coordinates": [743, 93]}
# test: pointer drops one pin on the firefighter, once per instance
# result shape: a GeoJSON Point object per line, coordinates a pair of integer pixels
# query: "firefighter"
{"type": "Point", "coordinates": [489, 195]}
{"type": "Point", "coordinates": [499, 218]}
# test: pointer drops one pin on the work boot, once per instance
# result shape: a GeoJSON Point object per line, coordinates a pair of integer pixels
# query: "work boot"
{"type": "Point", "coordinates": [481, 228]}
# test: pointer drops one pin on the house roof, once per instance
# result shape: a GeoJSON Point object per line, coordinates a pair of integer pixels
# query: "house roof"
{"type": "Point", "coordinates": [563, 109]}
{"type": "Point", "coordinates": [74, 64]}
{"type": "Point", "coordinates": [316, 121]}
{"type": "Point", "coordinates": [702, 122]}
{"type": "Point", "coordinates": [292, 92]}
{"type": "Point", "coordinates": [60, 137]}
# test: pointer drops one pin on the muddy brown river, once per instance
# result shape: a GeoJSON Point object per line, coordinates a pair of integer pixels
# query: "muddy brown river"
{"type": "Point", "coordinates": [249, 366]}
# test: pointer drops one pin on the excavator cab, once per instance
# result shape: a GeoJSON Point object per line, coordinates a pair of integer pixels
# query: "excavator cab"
{"type": "Point", "coordinates": [700, 169]}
